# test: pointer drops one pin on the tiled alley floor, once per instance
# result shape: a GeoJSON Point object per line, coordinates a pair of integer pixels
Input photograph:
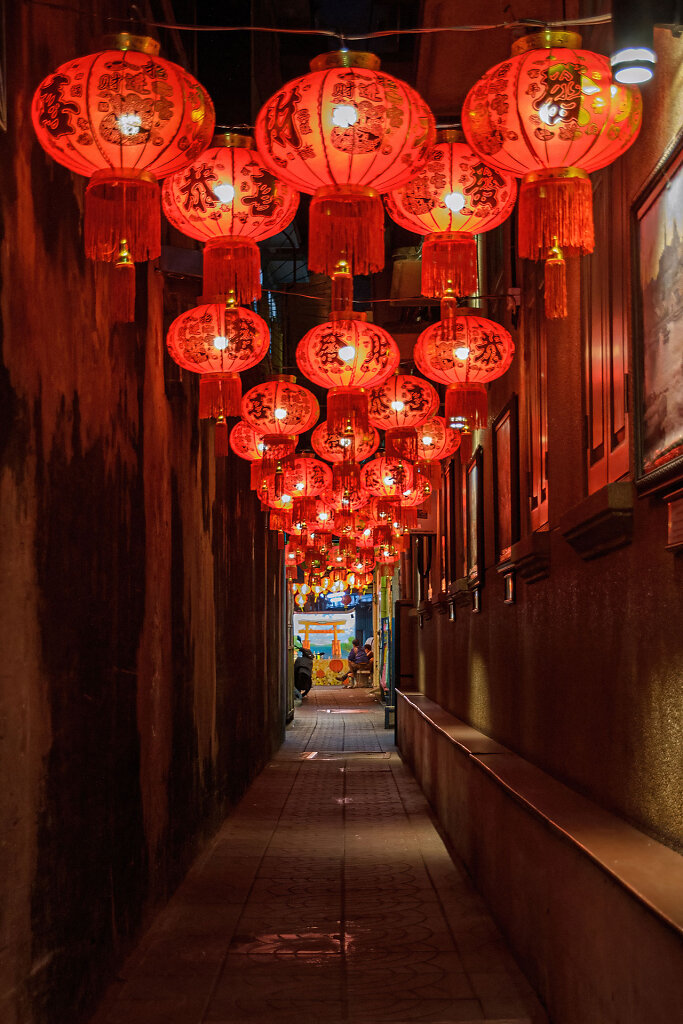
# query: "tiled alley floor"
{"type": "Point", "coordinates": [326, 897]}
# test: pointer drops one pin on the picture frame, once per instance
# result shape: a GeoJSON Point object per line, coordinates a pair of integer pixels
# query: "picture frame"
{"type": "Point", "coordinates": [505, 455]}
{"type": "Point", "coordinates": [657, 251]}
{"type": "Point", "coordinates": [474, 505]}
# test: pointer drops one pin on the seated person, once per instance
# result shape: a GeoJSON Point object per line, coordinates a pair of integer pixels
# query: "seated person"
{"type": "Point", "coordinates": [370, 656]}
{"type": "Point", "coordinates": [357, 656]}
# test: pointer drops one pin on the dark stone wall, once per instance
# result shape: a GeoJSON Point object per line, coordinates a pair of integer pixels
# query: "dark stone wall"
{"type": "Point", "coordinates": [140, 597]}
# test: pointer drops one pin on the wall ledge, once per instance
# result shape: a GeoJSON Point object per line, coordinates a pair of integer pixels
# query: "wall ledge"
{"type": "Point", "coordinates": [648, 870]}
{"type": "Point", "coordinates": [530, 556]}
{"type": "Point", "coordinates": [602, 522]}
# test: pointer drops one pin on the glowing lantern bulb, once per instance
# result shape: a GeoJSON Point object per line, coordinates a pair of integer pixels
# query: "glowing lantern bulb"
{"type": "Point", "coordinates": [454, 201]}
{"type": "Point", "coordinates": [220, 342]}
{"type": "Point", "coordinates": [462, 352]}
{"type": "Point", "coordinates": [347, 353]}
{"type": "Point", "coordinates": [226, 193]}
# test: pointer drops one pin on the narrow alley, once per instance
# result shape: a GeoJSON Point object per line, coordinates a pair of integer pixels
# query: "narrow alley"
{"type": "Point", "coordinates": [328, 895]}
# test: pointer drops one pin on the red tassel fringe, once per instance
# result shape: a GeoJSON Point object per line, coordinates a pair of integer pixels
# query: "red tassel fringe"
{"type": "Point", "coordinates": [344, 404]}
{"type": "Point", "coordinates": [233, 265]}
{"type": "Point", "coordinates": [401, 442]}
{"type": "Point", "coordinates": [280, 521]}
{"type": "Point", "coordinates": [116, 209]}
{"type": "Point", "coordinates": [449, 264]}
{"type": "Point", "coordinates": [555, 289]}
{"type": "Point", "coordinates": [277, 448]}
{"type": "Point", "coordinates": [221, 439]}
{"type": "Point", "coordinates": [345, 476]}
{"type": "Point", "coordinates": [122, 294]}
{"type": "Point", "coordinates": [555, 211]}
{"type": "Point", "coordinates": [350, 223]}
{"type": "Point", "coordinates": [466, 405]}
{"type": "Point", "coordinates": [220, 395]}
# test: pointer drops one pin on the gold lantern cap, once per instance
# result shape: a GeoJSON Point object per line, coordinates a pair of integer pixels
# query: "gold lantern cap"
{"type": "Point", "coordinates": [547, 39]}
{"type": "Point", "coordinates": [128, 41]}
{"type": "Point", "coordinates": [346, 59]}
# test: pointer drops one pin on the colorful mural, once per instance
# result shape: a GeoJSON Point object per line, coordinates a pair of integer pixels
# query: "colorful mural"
{"type": "Point", "coordinates": [329, 636]}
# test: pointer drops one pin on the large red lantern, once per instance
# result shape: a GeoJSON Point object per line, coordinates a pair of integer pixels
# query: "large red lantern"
{"type": "Point", "coordinates": [385, 477]}
{"type": "Point", "coordinates": [344, 133]}
{"type": "Point", "coordinates": [435, 444]}
{"type": "Point", "coordinates": [124, 118]}
{"type": "Point", "coordinates": [455, 196]}
{"type": "Point", "coordinates": [218, 341]}
{"type": "Point", "coordinates": [466, 352]}
{"type": "Point", "coordinates": [347, 355]}
{"type": "Point", "coordinates": [246, 443]}
{"type": "Point", "coordinates": [335, 446]}
{"type": "Point", "coordinates": [280, 410]}
{"type": "Point", "coordinates": [346, 450]}
{"type": "Point", "coordinates": [400, 405]}
{"type": "Point", "coordinates": [306, 479]}
{"type": "Point", "coordinates": [229, 200]}
{"type": "Point", "coordinates": [550, 115]}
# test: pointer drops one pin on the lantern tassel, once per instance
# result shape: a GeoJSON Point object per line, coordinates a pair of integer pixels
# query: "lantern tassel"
{"type": "Point", "coordinates": [555, 208]}
{"type": "Point", "coordinates": [277, 448]}
{"type": "Point", "coordinates": [220, 395]}
{"type": "Point", "coordinates": [401, 442]}
{"type": "Point", "coordinates": [555, 284]}
{"type": "Point", "coordinates": [221, 439]}
{"type": "Point", "coordinates": [466, 406]}
{"type": "Point", "coordinates": [349, 220]}
{"type": "Point", "coordinates": [117, 208]}
{"type": "Point", "coordinates": [122, 287]}
{"type": "Point", "coordinates": [346, 405]}
{"type": "Point", "coordinates": [233, 265]}
{"type": "Point", "coordinates": [345, 476]}
{"type": "Point", "coordinates": [449, 264]}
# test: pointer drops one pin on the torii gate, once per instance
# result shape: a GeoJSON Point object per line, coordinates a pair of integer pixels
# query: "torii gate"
{"type": "Point", "coordinates": [316, 628]}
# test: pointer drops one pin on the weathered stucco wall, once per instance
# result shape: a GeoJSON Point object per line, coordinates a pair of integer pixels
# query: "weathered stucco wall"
{"type": "Point", "coordinates": [140, 602]}
{"type": "Point", "coordinates": [582, 676]}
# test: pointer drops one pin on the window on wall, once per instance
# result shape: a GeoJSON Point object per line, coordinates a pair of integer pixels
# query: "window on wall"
{"type": "Point", "coordinates": [536, 367]}
{"type": "Point", "coordinates": [603, 313]}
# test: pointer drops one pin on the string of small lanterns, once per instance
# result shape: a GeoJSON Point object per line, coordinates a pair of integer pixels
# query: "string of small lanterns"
{"type": "Point", "coordinates": [346, 133]}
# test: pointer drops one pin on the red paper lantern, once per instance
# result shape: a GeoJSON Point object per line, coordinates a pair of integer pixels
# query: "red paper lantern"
{"type": "Point", "coordinates": [347, 356]}
{"type": "Point", "coordinates": [419, 493]}
{"type": "Point", "coordinates": [386, 477]}
{"type": "Point", "coordinates": [344, 133]}
{"type": "Point", "coordinates": [320, 518]}
{"type": "Point", "coordinates": [229, 200]}
{"type": "Point", "coordinates": [334, 445]}
{"type": "Point", "coordinates": [346, 499]}
{"type": "Point", "coordinates": [435, 443]}
{"type": "Point", "coordinates": [246, 443]}
{"type": "Point", "coordinates": [398, 406]}
{"type": "Point", "coordinates": [306, 479]}
{"type": "Point", "coordinates": [280, 410]}
{"type": "Point", "coordinates": [454, 197]}
{"type": "Point", "coordinates": [124, 118]}
{"type": "Point", "coordinates": [465, 352]}
{"type": "Point", "coordinates": [218, 341]}
{"type": "Point", "coordinates": [549, 115]}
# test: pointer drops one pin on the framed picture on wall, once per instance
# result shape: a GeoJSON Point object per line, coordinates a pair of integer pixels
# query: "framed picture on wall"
{"type": "Point", "coordinates": [506, 480]}
{"type": "Point", "coordinates": [475, 519]}
{"type": "Point", "coordinates": [657, 230]}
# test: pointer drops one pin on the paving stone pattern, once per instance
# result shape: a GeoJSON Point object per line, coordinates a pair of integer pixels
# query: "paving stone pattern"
{"type": "Point", "coordinates": [327, 896]}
